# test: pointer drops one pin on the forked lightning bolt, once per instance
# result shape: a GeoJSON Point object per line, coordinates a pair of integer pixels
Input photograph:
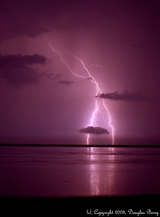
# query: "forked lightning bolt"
{"type": "Point", "coordinates": [98, 90]}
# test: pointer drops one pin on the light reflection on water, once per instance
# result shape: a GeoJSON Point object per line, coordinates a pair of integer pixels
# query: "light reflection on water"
{"type": "Point", "coordinates": [96, 174]}
{"type": "Point", "coordinates": [79, 171]}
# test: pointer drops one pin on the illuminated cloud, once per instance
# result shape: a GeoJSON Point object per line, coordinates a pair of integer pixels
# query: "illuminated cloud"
{"type": "Point", "coordinates": [17, 70]}
{"type": "Point", "coordinates": [94, 130]}
{"type": "Point", "coordinates": [65, 82]}
{"type": "Point", "coordinates": [125, 96]}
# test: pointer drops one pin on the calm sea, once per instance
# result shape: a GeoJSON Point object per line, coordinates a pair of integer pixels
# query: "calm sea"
{"type": "Point", "coordinates": [78, 171]}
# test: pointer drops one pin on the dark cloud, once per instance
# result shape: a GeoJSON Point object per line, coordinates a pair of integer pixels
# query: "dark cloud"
{"type": "Point", "coordinates": [32, 18]}
{"type": "Point", "coordinates": [94, 130]}
{"type": "Point", "coordinates": [22, 30]}
{"type": "Point", "coordinates": [20, 61]}
{"type": "Point", "coordinates": [20, 76]}
{"type": "Point", "coordinates": [126, 96]}
{"type": "Point", "coordinates": [17, 70]}
{"type": "Point", "coordinates": [65, 82]}
{"type": "Point", "coordinates": [18, 19]}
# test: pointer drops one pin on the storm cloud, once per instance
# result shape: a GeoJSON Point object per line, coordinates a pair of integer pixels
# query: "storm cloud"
{"type": "Point", "coordinates": [125, 96]}
{"type": "Point", "coordinates": [17, 70]}
{"type": "Point", "coordinates": [20, 61]}
{"type": "Point", "coordinates": [25, 18]}
{"type": "Point", "coordinates": [19, 19]}
{"type": "Point", "coordinates": [94, 130]}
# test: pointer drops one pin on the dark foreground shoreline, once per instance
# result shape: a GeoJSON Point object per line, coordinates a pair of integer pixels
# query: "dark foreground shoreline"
{"type": "Point", "coordinates": [84, 206]}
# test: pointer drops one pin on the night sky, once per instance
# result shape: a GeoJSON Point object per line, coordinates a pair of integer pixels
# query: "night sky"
{"type": "Point", "coordinates": [43, 102]}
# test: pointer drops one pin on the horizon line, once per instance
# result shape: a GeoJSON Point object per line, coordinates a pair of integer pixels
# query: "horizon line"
{"type": "Point", "coordinates": [80, 145]}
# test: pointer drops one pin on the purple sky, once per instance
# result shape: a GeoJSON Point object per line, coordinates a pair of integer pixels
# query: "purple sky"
{"type": "Point", "coordinates": [43, 102]}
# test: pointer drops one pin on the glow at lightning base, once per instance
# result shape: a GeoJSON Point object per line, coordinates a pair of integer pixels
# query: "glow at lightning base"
{"type": "Point", "coordinates": [98, 90]}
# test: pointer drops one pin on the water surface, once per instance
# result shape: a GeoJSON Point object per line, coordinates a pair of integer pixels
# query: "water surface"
{"type": "Point", "coordinates": [78, 171]}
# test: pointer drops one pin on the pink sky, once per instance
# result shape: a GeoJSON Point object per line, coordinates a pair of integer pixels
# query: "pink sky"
{"type": "Point", "coordinates": [37, 105]}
